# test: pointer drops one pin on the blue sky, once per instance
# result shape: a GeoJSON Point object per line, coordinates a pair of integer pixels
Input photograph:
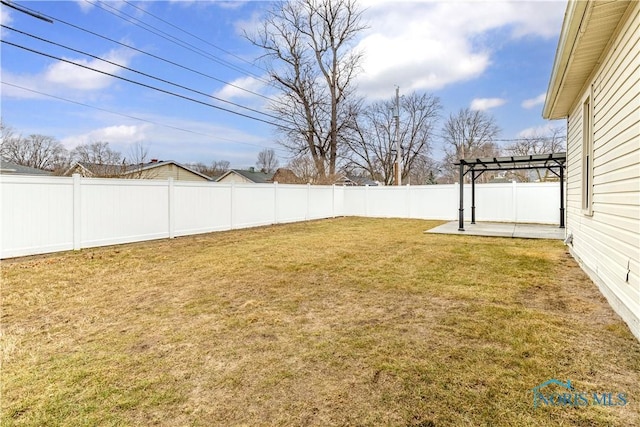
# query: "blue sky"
{"type": "Point", "coordinates": [490, 55]}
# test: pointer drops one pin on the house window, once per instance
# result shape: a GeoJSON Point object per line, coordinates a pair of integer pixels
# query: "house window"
{"type": "Point", "coordinates": [587, 157]}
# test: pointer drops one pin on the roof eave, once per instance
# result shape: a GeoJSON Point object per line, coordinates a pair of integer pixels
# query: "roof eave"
{"type": "Point", "coordinates": [573, 18]}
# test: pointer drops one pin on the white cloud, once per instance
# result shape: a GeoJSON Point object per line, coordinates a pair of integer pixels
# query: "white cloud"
{"type": "Point", "coordinates": [534, 131]}
{"type": "Point", "coordinates": [428, 45]}
{"type": "Point", "coordinates": [61, 77]}
{"type": "Point", "coordinates": [532, 102]}
{"type": "Point", "coordinates": [223, 4]}
{"type": "Point", "coordinates": [483, 104]}
{"type": "Point", "coordinates": [86, 6]}
{"type": "Point", "coordinates": [232, 91]}
{"type": "Point", "coordinates": [114, 135]}
{"type": "Point", "coordinates": [206, 141]}
{"type": "Point", "coordinates": [230, 4]}
{"type": "Point", "coordinates": [250, 25]}
{"type": "Point", "coordinates": [5, 19]}
{"type": "Point", "coordinates": [5, 16]}
{"type": "Point", "coordinates": [74, 77]}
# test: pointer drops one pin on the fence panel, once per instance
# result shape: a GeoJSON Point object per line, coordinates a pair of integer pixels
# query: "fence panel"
{"type": "Point", "coordinates": [388, 202]}
{"type": "Point", "coordinates": [321, 202]}
{"type": "Point", "coordinates": [253, 205]}
{"type": "Point", "coordinates": [538, 203]}
{"type": "Point", "coordinates": [291, 203]}
{"type": "Point", "coordinates": [201, 208]}
{"type": "Point", "coordinates": [494, 202]}
{"type": "Point", "coordinates": [37, 215]}
{"type": "Point", "coordinates": [117, 211]}
{"type": "Point", "coordinates": [433, 201]}
{"type": "Point", "coordinates": [48, 214]}
{"type": "Point", "coordinates": [355, 201]}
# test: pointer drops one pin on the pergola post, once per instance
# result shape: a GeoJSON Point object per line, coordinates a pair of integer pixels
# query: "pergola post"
{"type": "Point", "coordinates": [461, 209]}
{"type": "Point", "coordinates": [562, 196]}
{"type": "Point", "coordinates": [473, 196]}
{"type": "Point", "coordinates": [476, 167]}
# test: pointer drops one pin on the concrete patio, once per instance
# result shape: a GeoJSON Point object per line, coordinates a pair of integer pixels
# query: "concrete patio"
{"type": "Point", "coordinates": [503, 229]}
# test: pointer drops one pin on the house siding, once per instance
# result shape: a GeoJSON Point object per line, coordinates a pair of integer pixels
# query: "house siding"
{"type": "Point", "coordinates": [235, 178]}
{"type": "Point", "coordinates": [171, 171]}
{"type": "Point", "coordinates": [607, 242]}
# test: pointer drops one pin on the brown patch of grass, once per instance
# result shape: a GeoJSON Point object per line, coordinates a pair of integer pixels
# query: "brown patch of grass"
{"type": "Point", "coordinates": [338, 322]}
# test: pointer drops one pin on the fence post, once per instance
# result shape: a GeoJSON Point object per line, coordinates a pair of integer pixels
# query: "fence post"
{"type": "Point", "coordinates": [172, 208]}
{"type": "Point", "coordinates": [408, 200]}
{"type": "Point", "coordinates": [231, 207]}
{"type": "Point", "coordinates": [366, 200]}
{"type": "Point", "coordinates": [275, 202]}
{"type": "Point", "coordinates": [333, 200]}
{"type": "Point", "coordinates": [77, 212]}
{"type": "Point", "coordinates": [306, 217]}
{"type": "Point", "coordinates": [514, 192]}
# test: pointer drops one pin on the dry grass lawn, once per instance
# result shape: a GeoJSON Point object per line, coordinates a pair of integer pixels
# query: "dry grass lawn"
{"type": "Point", "coordinates": [337, 322]}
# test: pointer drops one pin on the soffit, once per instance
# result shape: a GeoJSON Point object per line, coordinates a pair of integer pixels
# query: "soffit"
{"type": "Point", "coordinates": [585, 49]}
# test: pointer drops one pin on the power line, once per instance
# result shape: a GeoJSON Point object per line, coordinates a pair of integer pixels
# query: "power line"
{"type": "Point", "coordinates": [144, 85]}
{"type": "Point", "coordinates": [25, 11]}
{"type": "Point", "coordinates": [131, 117]}
{"type": "Point", "coordinates": [193, 35]}
{"type": "Point", "coordinates": [85, 30]}
{"type": "Point", "coordinates": [158, 32]}
{"type": "Point", "coordinates": [528, 139]}
{"type": "Point", "coordinates": [138, 72]}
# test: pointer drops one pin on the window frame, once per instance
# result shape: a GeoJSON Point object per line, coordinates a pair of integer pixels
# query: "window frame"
{"type": "Point", "coordinates": [587, 155]}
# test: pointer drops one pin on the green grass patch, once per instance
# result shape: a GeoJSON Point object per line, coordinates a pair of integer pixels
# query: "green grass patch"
{"type": "Point", "coordinates": [349, 321]}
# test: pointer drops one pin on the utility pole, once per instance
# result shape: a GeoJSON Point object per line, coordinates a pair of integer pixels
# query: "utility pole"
{"type": "Point", "coordinates": [398, 165]}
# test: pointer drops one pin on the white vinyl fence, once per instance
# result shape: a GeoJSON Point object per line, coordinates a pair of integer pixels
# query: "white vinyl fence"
{"type": "Point", "coordinates": [49, 214]}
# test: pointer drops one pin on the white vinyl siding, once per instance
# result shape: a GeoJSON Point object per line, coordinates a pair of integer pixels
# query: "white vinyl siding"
{"type": "Point", "coordinates": [609, 240]}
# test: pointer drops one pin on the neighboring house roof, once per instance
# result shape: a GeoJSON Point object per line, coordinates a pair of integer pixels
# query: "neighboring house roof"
{"type": "Point", "coordinates": [355, 180]}
{"type": "Point", "coordinates": [10, 168]}
{"type": "Point", "coordinates": [251, 175]}
{"type": "Point", "coordinates": [94, 169]}
{"type": "Point", "coordinates": [586, 32]}
{"type": "Point", "coordinates": [89, 170]}
{"type": "Point", "coordinates": [142, 167]}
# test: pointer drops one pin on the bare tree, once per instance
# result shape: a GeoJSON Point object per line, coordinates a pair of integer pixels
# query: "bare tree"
{"type": "Point", "coordinates": [424, 171]}
{"type": "Point", "coordinates": [373, 134]}
{"type": "Point", "coordinates": [36, 151]}
{"type": "Point", "coordinates": [97, 153]}
{"type": "Point", "coordinates": [267, 161]}
{"type": "Point", "coordinates": [308, 43]}
{"type": "Point", "coordinates": [6, 132]}
{"type": "Point", "coordinates": [100, 158]}
{"type": "Point", "coordinates": [554, 141]}
{"type": "Point", "coordinates": [138, 157]}
{"type": "Point", "coordinates": [468, 134]}
{"type": "Point", "coordinates": [215, 169]}
{"type": "Point", "coordinates": [304, 168]}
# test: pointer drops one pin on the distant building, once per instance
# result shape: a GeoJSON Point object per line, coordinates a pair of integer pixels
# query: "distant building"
{"type": "Point", "coordinates": [155, 169]}
{"type": "Point", "coordinates": [164, 169]}
{"type": "Point", "coordinates": [351, 180]}
{"type": "Point", "coordinates": [287, 176]}
{"type": "Point", "coordinates": [10, 168]}
{"type": "Point", "coordinates": [250, 176]}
